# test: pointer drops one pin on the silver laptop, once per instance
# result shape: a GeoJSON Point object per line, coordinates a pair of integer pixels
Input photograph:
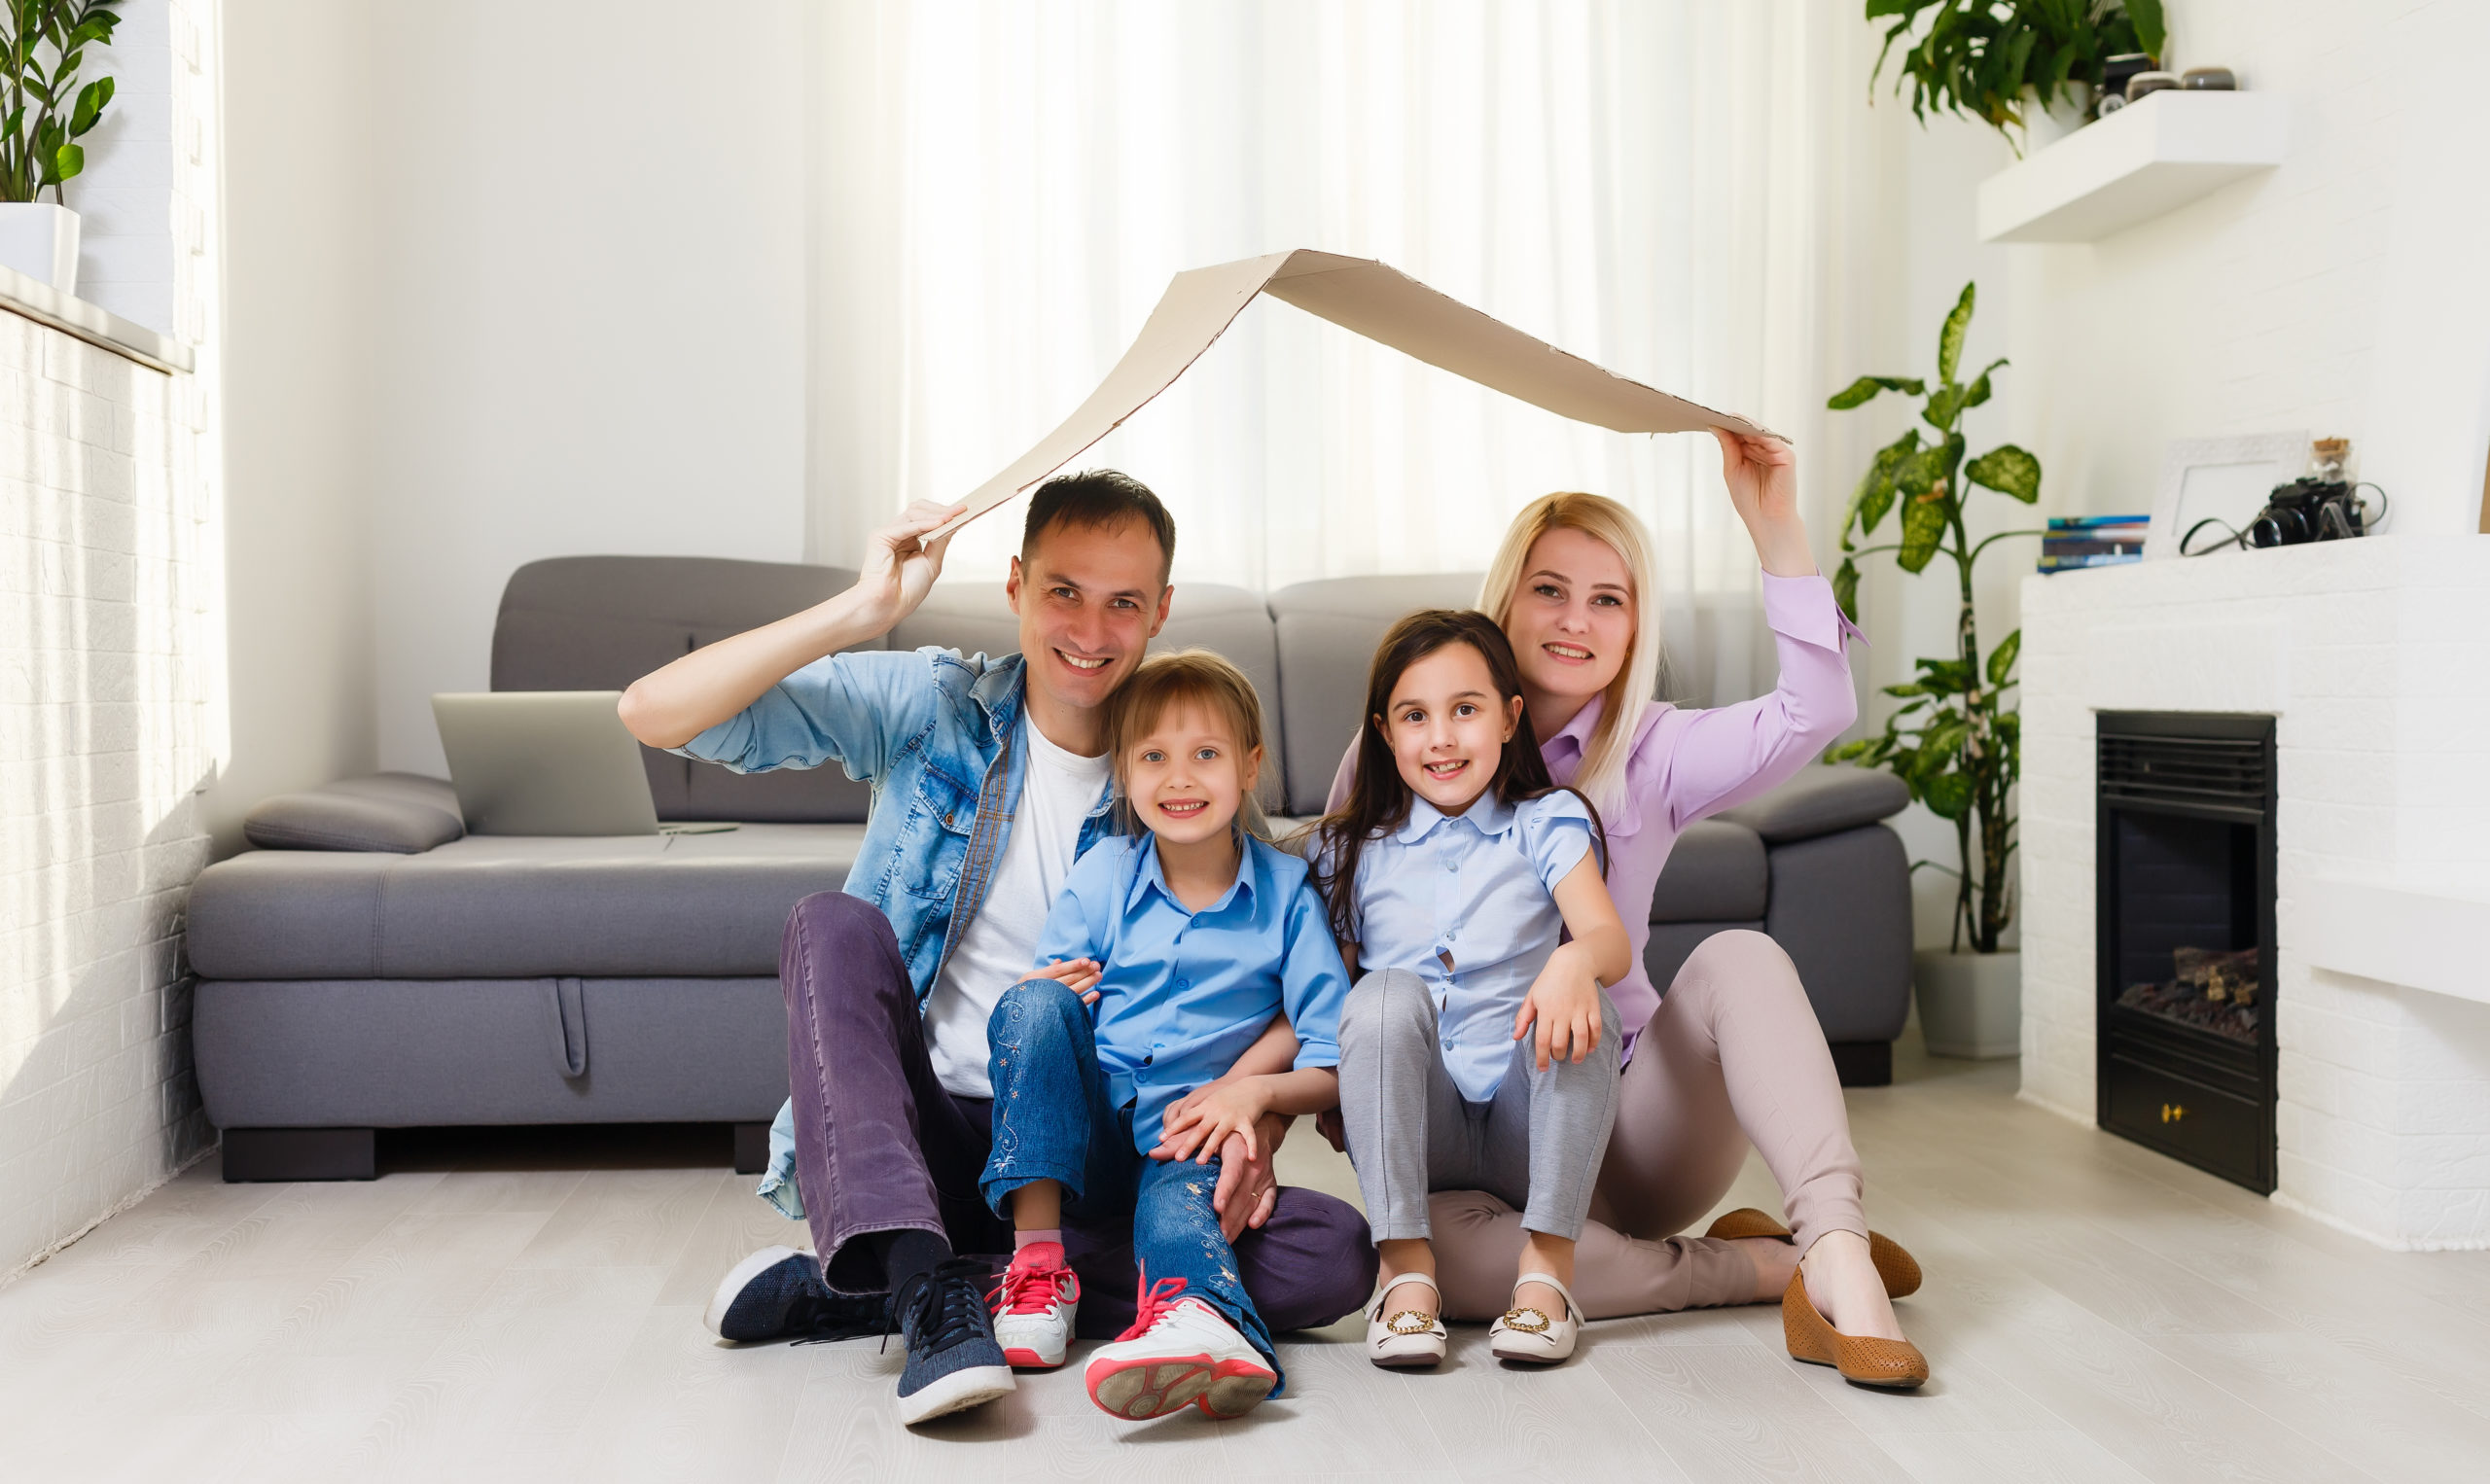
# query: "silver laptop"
{"type": "Point", "coordinates": [544, 763]}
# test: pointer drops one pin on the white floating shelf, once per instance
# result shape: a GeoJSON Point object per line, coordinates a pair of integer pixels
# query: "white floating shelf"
{"type": "Point", "coordinates": [2170, 148]}
{"type": "Point", "coordinates": [2402, 937]}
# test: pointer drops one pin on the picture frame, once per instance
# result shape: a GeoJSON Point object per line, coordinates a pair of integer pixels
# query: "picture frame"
{"type": "Point", "coordinates": [2226, 479]}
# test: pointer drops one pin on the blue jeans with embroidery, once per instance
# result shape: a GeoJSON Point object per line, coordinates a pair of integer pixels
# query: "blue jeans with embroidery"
{"type": "Point", "coordinates": [1055, 1119]}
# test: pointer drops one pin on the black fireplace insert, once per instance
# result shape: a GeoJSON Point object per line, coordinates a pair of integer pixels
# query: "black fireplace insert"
{"type": "Point", "coordinates": [2185, 923]}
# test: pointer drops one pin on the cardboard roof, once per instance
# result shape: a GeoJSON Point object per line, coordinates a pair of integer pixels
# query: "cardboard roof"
{"type": "Point", "coordinates": [1376, 301]}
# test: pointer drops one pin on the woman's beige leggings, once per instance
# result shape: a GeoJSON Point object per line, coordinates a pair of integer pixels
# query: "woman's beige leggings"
{"type": "Point", "coordinates": [1734, 1056]}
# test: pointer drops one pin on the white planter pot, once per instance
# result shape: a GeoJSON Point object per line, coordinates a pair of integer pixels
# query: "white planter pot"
{"type": "Point", "coordinates": [1970, 1004]}
{"type": "Point", "coordinates": [39, 240]}
{"type": "Point", "coordinates": [2063, 117]}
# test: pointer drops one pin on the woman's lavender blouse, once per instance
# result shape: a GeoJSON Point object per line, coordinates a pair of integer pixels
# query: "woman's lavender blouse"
{"type": "Point", "coordinates": [1686, 764]}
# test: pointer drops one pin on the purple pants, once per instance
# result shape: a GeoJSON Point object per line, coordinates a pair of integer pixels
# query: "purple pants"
{"type": "Point", "coordinates": [881, 1146]}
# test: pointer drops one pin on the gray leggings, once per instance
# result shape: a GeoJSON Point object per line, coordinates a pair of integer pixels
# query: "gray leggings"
{"type": "Point", "coordinates": [1537, 1144]}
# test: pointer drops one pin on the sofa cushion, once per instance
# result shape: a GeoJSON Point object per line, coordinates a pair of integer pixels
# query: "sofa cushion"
{"type": "Point", "coordinates": [1716, 873]}
{"type": "Point", "coordinates": [1826, 798]}
{"type": "Point", "coordinates": [402, 813]}
{"type": "Point", "coordinates": [1841, 911]}
{"type": "Point", "coordinates": [512, 907]}
{"type": "Point", "coordinates": [397, 1054]}
{"type": "Point", "coordinates": [975, 618]}
{"type": "Point", "coordinates": [601, 623]}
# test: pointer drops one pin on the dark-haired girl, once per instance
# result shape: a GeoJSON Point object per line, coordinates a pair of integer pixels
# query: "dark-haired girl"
{"type": "Point", "coordinates": [1479, 1049]}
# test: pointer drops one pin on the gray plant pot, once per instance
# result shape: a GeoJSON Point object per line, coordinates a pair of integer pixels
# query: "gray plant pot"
{"type": "Point", "coordinates": [1970, 1004]}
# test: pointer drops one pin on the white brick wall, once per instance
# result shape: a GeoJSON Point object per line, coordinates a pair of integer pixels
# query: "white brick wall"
{"type": "Point", "coordinates": [146, 198]}
{"type": "Point", "coordinates": [105, 530]}
{"type": "Point", "coordinates": [111, 700]}
{"type": "Point", "coordinates": [2338, 294]}
{"type": "Point", "coordinates": [2366, 656]}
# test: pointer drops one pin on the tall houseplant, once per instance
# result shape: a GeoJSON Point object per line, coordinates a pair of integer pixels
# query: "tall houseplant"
{"type": "Point", "coordinates": [43, 114]}
{"type": "Point", "coordinates": [1953, 740]}
{"type": "Point", "coordinates": [2002, 61]}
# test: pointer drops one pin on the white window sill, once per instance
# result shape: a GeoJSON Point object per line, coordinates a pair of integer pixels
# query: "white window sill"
{"type": "Point", "coordinates": [71, 315]}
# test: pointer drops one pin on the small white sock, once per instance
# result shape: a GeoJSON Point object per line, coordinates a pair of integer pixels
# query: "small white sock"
{"type": "Point", "coordinates": [1021, 1239]}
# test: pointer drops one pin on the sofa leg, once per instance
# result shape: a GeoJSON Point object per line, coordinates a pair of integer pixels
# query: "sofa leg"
{"type": "Point", "coordinates": [752, 1148]}
{"type": "Point", "coordinates": [299, 1153]}
{"type": "Point", "coordinates": [1864, 1063]}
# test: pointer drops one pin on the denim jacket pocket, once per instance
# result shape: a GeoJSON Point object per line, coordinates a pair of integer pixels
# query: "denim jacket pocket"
{"type": "Point", "coordinates": [940, 820]}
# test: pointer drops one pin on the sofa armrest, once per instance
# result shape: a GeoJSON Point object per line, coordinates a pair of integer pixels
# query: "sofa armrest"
{"type": "Point", "coordinates": [1826, 798]}
{"type": "Point", "coordinates": [402, 813]}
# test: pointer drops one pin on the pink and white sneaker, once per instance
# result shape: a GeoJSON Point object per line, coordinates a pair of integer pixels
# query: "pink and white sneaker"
{"type": "Point", "coordinates": [1034, 1303]}
{"type": "Point", "coordinates": [1178, 1350]}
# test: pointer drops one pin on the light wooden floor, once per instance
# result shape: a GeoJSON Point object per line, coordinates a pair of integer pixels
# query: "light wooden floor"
{"type": "Point", "coordinates": [529, 1308]}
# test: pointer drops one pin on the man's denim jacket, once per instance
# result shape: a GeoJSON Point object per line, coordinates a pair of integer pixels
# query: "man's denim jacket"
{"type": "Point", "coordinates": [937, 735]}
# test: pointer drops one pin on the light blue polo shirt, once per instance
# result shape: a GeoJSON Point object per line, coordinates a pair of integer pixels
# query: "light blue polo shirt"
{"type": "Point", "coordinates": [1467, 903]}
{"type": "Point", "coordinates": [1184, 993]}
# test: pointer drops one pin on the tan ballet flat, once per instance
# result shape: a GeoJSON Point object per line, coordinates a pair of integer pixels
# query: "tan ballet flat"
{"type": "Point", "coordinates": [1861, 1359]}
{"type": "Point", "coordinates": [1411, 1339]}
{"type": "Point", "coordinates": [1898, 1267]}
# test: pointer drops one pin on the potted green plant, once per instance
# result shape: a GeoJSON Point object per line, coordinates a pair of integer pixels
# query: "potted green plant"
{"type": "Point", "coordinates": [2011, 63]}
{"type": "Point", "coordinates": [43, 43]}
{"type": "Point", "coordinates": [1953, 740]}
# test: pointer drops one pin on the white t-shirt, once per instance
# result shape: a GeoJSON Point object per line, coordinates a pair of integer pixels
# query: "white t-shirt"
{"type": "Point", "coordinates": [1000, 942]}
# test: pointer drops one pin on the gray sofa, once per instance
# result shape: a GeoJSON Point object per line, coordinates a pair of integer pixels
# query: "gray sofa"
{"type": "Point", "coordinates": [504, 979]}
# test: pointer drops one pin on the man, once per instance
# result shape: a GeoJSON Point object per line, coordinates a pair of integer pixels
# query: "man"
{"type": "Point", "coordinates": [988, 781]}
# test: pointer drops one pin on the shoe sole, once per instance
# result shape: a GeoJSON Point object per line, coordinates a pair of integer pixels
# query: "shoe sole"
{"type": "Point", "coordinates": [1872, 1383]}
{"type": "Point", "coordinates": [732, 1287]}
{"type": "Point", "coordinates": [1140, 1389]}
{"type": "Point", "coordinates": [1529, 1357]}
{"type": "Point", "coordinates": [957, 1391]}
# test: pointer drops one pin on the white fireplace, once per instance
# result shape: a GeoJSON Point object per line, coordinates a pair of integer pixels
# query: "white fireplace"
{"type": "Point", "coordinates": [2373, 657]}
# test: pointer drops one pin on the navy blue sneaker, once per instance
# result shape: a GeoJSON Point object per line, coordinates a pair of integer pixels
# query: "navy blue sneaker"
{"type": "Point", "coordinates": [777, 1295]}
{"type": "Point", "coordinates": [953, 1362]}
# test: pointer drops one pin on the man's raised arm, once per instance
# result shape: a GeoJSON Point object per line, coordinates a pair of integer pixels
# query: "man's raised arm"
{"type": "Point", "coordinates": [671, 706]}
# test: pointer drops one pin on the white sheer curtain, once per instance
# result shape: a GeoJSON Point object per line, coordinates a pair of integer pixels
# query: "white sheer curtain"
{"type": "Point", "coordinates": [1683, 190]}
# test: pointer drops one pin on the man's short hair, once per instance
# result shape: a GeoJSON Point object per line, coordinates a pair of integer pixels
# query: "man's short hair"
{"type": "Point", "coordinates": [1099, 499]}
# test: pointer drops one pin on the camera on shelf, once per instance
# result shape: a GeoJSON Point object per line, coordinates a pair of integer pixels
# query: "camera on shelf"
{"type": "Point", "coordinates": [2309, 509]}
{"type": "Point", "coordinates": [2324, 504]}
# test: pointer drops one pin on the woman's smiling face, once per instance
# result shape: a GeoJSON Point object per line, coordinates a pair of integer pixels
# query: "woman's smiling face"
{"type": "Point", "coordinates": [1572, 620]}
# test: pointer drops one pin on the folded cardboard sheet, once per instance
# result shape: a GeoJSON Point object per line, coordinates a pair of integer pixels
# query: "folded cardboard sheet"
{"type": "Point", "coordinates": [1377, 301]}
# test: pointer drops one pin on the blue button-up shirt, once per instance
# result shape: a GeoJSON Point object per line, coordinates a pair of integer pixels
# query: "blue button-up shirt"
{"type": "Point", "coordinates": [1184, 993]}
{"type": "Point", "coordinates": [1466, 903]}
{"type": "Point", "coordinates": [937, 735]}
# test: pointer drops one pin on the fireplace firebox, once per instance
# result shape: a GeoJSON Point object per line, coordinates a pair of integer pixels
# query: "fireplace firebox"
{"type": "Point", "coordinates": [2185, 914]}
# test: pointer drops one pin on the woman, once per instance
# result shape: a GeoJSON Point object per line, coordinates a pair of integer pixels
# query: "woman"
{"type": "Point", "coordinates": [1732, 1054]}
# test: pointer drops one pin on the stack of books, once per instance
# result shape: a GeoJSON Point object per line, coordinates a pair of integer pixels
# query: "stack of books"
{"type": "Point", "coordinates": [2092, 541]}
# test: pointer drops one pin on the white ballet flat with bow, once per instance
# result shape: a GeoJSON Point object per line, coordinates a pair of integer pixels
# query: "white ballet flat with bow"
{"type": "Point", "coordinates": [1529, 1334]}
{"type": "Point", "coordinates": [1410, 1338]}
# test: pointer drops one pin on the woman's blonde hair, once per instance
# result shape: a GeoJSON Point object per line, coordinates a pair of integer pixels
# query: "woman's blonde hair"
{"type": "Point", "coordinates": [1602, 776]}
{"type": "Point", "coordinates": [1165, 681]}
